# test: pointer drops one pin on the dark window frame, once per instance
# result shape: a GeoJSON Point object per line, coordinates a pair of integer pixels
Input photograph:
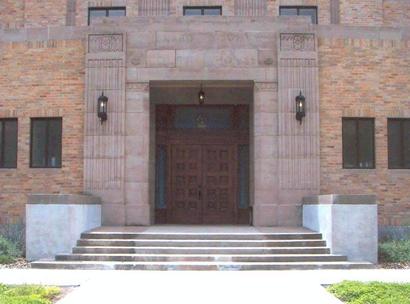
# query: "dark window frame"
{"type": "Point", "coordinates": [401, 150]}
{"type": "Point", "coordinates": [32, 119]}
{"type": "Point", "coordinates": [202, 8]}
{"type": "Point", "coordinates": [357, 119]}
{"type": "Point", "coordinates": [106, 9]}
{"type": "Point", "coordinates": [299, 7]}
{"type": "Point", "coordinates": [2, 120]}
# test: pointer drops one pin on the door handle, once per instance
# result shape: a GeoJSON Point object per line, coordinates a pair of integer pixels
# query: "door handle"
{"type": "Point", "coordinates": [199, 192]}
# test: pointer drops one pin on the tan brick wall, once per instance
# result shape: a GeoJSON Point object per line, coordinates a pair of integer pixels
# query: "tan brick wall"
{"type": "Point", "coordinates": [19, 13]}
{"type": "Point", "coordinates": [11, 13]}
{"type": "Point", "coordinates": [361, 12]}
{"type": "Point", "coordinates": [42, 79]}
{"type": "Point", "coordinates": [45, 13]}
{"type": "Point", "coordinates": [396, 12]}
{"type": "Point", "coordinates": [364, 78]}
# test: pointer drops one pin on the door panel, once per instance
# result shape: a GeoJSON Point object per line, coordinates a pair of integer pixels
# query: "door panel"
{"type": "Point", "coordinates": [218, 184]}
{"type": "Point", "coordinates": [199, 175]}
{"type": "Point", "coordinates": [185, 181]}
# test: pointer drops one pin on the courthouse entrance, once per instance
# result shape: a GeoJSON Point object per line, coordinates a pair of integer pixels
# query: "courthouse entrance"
{"type": "Point", "coordinates": [202, 164]}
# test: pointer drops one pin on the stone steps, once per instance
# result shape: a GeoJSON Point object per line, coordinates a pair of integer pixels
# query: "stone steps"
{"type": "Point", "coordinates": [198, 265]}
{"type": "Point", "coordinates": [207, 236]}
{"type": "Point", "coordinates": [199, 251]}
{"type": "Point", "coordinates": [200, 243]}
{"type": "Point", "coordinates": [201, 257]}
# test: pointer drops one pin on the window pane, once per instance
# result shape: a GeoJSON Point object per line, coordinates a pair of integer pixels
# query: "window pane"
{"type": "Point", "coordinates": [54, 143]}
{"type": "Point", "coordinates": [38, 143]}
{"type": "Point", "coordinates": [349, 144]}
{"type": "Point", "coordinates": [212, 12]}
{"type": "Point", "coordinates": [10, 144]}
{"type": "Point", "coordinates": [288, 11]}
{"type": "Point", "coordinates": [192, 12]}
{"type": "Point", "coordinates": [366, 143]}
{"type": "Point", "coordinates": [309, 12]}
{"type": "Point", "coordinates": [203, 118]}
{"type": "Point", "coordinates": [116, 12]}
{"type": "Point", "coordinates": [96, 14]}
{"type": "Point", "coordinates": [406, 143]}
{"type": "Point", "coordinates": [394, 140]}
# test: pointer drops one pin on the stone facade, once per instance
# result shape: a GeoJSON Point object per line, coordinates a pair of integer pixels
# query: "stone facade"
{"type": "Point", "coordinates": [343, 71]}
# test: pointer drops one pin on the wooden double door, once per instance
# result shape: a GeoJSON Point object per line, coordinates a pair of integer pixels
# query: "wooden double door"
{"type": "Point", "coordinates": [203, 184]}
{"type": "Point", "coordinates": [200, 174]}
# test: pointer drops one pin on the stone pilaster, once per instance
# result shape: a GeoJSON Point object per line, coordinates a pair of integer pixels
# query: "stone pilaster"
{"type": "Point", "coordinates": [137, 155]}
{"type": "Point", "coordinates": [298, 143]}
{"type": "Point", "coordinates": [265, 169]}
{"type": "Point", "coordinates": [104, 147]}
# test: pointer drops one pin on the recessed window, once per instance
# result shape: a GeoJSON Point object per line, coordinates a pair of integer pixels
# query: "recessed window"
{"type": "Point", "coordinates": [358, 143]}
{"type": "Point", "coordinates": [310, 11]}
{"type": "Point", "coordinates": [8, 143]}
{"type": "Point", "coordinates": [46, 134]}
{"type": "Point", "coordinates": [98, 12]}
{"type": "Point", "coordinates": [399, 143]}
{"type": "Point", "coordinates": [202, 10]}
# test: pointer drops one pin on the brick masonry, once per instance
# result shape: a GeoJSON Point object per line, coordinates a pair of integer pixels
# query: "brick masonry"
{"type": "Point", "coordinates": [364, 78]}
{"type": "Point", "coordinates": [40, 79]}
{"type": "Point", "coordinates": [27, 13]}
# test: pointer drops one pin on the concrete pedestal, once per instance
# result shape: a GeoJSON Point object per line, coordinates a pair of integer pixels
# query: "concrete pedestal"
{"type": "Point", "coordinates": [348, 223]}
{"type": "Point", "coordinates": [55, 222]}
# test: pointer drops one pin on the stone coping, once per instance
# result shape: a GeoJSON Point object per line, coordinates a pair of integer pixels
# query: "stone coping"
{"type": "Point", "coordinates": [340, 199]}
{"type": "Point", "coordinates": [63, 199]}
{"type": "Point", "coordinates": [206, 24]}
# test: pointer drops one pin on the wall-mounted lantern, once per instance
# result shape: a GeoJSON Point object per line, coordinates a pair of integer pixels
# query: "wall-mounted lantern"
{"type": "Point", "coordinates": [300, 107]}
{"type": "Point", "coordinates": [201, 96]}
{"type": "Point", "coordinates": [102, 105]}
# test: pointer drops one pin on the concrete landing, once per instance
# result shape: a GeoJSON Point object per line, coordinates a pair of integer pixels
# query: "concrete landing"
{"type": "Point", "coordinates": [203, 229]}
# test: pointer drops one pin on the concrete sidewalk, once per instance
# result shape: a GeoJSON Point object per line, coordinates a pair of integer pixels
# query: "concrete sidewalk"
{"type": "Point", "coordinates": [198, 287]}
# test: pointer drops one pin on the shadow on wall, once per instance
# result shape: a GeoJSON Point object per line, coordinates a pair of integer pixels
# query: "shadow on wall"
{"type": "Point", "coordinates": [394, 233]}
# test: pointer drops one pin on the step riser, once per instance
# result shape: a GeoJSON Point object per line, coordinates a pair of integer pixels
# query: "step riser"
{"type": "Point", "coordinates": [132, 236]}
{"type": "Point", "coordinates": [91, 266]}
{"type": "Point", "coordinates": [200, 259]}
{"type": "Point", "coordinates": [132, 250]}
{"type": "Point", "coordinates": [155, 243]}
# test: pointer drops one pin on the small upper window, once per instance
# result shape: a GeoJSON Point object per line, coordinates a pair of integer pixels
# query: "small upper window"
{"type": "Point", "coordinates": [46, 141]}
{"type": "Point", "coordinates": [8, 143]}
{"type": "Point", "coordinates": [310, 11]}
{"type": "Point", "coordinates": [202, 10]}
{"type": "Point", "coordinates": [358, 143]}
{"type": "Point", "coordinates": [97, 12]}
{"type": "Point", "coordinates": [399, 143]}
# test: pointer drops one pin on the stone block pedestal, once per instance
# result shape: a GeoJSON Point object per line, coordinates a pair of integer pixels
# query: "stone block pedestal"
{"type": "Point", "coordinates": [54, 223]}
{"type": "Point", "coordinates": [348, 224]}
